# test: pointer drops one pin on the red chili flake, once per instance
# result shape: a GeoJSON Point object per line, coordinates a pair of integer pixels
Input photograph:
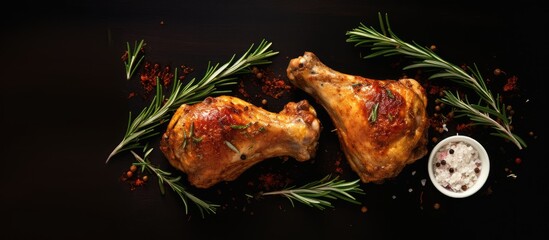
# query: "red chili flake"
{"type": "Point", "coordinates": [511, 84]}
{"type": "Point", "coordinates": [124, 56]}
{"type": "Point", "coordinates": [337, 163]}
{"type": "Point", "coordinates": [463, 127]}
{"type": "Point", "coordinates": [139, 182]}
{"type": "Point", "coordinates": [269, 181]}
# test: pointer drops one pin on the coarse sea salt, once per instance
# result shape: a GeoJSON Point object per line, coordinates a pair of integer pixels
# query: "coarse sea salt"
{"type": "Point", "coordinates": [457, 166]}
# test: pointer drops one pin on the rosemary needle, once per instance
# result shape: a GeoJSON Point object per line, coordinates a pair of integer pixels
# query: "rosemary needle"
{"type": "Point", "coordinates": [165, 177]}
{"type": "Point", "coordinates": [489, 111]}
{"type": "Point", "coordinates": [144, 125]}
{"type": "Point", "coordinates": [318, 193]}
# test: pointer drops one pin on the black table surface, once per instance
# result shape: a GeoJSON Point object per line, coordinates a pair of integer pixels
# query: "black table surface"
{"type": "Point", "coordinates": [65, 107]}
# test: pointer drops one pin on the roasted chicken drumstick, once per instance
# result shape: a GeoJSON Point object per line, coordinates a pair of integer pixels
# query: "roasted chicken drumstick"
{"type": "Point", "coordinates": [382, 125]}
{"type": "Point", "coordinates": [219, 138]}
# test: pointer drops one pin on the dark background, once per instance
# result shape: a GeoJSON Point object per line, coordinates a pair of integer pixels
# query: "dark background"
{"type": "Point", "coordinates": [65, 106]}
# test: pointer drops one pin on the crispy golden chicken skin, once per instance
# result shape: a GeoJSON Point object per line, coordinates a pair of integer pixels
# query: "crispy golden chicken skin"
{"type": "Point", "coordinates": [382, 125]}
{"type": "Point", "coordinates": [219, 138]}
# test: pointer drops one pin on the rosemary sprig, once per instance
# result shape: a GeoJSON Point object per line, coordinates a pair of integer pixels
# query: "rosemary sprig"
{"type": "Point", "coordinates": [478, 113]}
{"type": "Point", "coordinates": [132, 55]}
{"type": "Point", "coordinates": [172, 182]}
{"type": "Point", "coordinates": [388, 44]}
{"type": "Point", "coordinates": [144, 125]}
{"type": "Point", "coordinates": [319, 193]}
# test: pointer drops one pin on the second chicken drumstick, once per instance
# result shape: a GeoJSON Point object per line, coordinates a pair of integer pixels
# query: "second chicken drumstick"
{"type": "Point", "coordinates": [382, 125]}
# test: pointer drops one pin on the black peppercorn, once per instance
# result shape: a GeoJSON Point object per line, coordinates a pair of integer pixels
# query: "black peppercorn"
{"type": "Point", "coordinates": [463, 187]}
{"type": "Point", "coordinates": [477, 170]}
{"type": "Point", "coordinates": [243, 157]}
{"type": "Point", "coordinates": [443, 162]}
{"type": "Point", "coordinates": [451, 151]}
{"type": "Point", "coordinates": [451, 170]}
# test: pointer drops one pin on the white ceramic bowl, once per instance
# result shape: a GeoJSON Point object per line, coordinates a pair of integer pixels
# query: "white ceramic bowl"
{"type": "Point", "coordinates": [458, 162]}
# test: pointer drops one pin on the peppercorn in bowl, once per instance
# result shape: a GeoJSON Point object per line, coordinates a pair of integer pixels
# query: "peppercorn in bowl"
{"type": "Point", "coordinates": [458, 166]}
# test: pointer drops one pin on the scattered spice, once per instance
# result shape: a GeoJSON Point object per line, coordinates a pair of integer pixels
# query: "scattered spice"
{"type": "Point", "coordinates": [464, 127]}
{"type": "Point", "coordinates": [271, 84]}
{"type": "Point", "coordinates": [511, 84]}
{"type": "Point", "coordinates": [498, 72]}
{"type": "Point", "coordinates": [273, 181]}
{"type": "Point", "coordinates": [151, 72]}
{"type": "Point", "coordinates": [337, 164]}
{"type": "Point", "coordinates": [133, 178]}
